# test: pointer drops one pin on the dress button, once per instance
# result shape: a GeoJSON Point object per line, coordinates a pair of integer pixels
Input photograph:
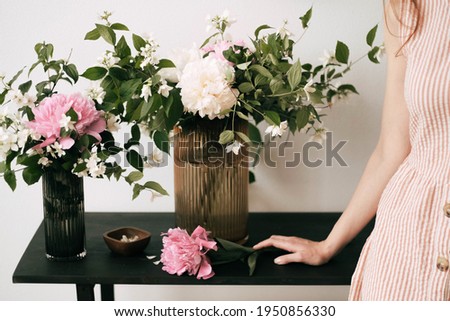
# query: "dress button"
{"type": "Point", "coordinates": [447, 210]}
{"type": "Point", "coordinates": [442, 264]}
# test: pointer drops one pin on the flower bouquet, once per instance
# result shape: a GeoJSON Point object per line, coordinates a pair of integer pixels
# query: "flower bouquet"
{"type": "Point", "coordinates": [211, 100]}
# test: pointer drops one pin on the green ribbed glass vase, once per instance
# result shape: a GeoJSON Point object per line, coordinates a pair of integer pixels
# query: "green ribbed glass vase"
{"type": "Point", "coordinates": [63, 197]}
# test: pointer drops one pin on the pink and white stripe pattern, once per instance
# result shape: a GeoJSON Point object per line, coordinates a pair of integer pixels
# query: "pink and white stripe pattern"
{"type": "Point", "coordinates": [412, 232]}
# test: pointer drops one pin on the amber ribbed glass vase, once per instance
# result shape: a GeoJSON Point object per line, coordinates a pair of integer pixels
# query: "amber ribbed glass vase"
{"type": "Point", "coordinates": [63, 216]}
{"type": "Point", "coordinates": [211, 185]}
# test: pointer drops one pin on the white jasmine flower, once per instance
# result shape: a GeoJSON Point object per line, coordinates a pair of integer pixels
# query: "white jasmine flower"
{"type": "Point", "coordinates": [3, 114]}
{"type": "Point", "coordinates": [96, 93]}
{"type": "Point", "coordinates": [66, 123]}
{"type": "Point", "coordinates": [328, 58]}
{"type": "Point", "coordinates": [8, 142]}
{"type": "Point", "coordinates": [155, 158]}
{"type": "Point", "coordinates": [22, 136]}
{"type": "Point", "coordinates": [2, 75]}
{"type": "Point", "coordinates": [149, 53]}
{"type": "Point", "coordinates": [164, 88]}
{"type": "Point", "coordinates": [44, 161]}
{"type": "Point", "coordinates": [29, 100]}
{"type": "Point", "coordinates": [219, 22]}
{"type": "Point", "coordinates": [17, 97]}
{"type": "Point", "coordinates": [277, 130]}
{"type": "Point", "coordinates": [57, 150]}
{"type": "Point", "coordinates": [98, 171]}
{"type": "Point", "coordinates": [319, 135]}
{"type": "Point", "coordinates": [235, 147]}
{"type": "Point", "coordinates": [112, 122]}
{"type": "Point", "coordinates": [105, 16]}
{"type": "Point", "coordinates": [283, 31]}
{"type": "Point", "coordinates": [309, 89]}
{"type": "Point", "coordinates": [108, 59]}
{"type": "Point", "coordinates": [205, 89]}
{"type": "Point", "coordinates": [146, 91]}
{"type": "Point", "coordinates": [94, 166]}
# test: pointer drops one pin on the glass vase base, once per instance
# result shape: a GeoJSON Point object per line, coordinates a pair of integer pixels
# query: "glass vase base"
{"type": "Point", "coordinates": [77, 257]}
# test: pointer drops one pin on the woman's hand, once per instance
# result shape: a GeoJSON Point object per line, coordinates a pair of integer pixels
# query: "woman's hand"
{"type": "Point", "coordinates": [301, 250]}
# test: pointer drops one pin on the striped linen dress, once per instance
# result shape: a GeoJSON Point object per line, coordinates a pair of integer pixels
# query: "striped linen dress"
{"type": "Point", "coordinates": [407, 255]}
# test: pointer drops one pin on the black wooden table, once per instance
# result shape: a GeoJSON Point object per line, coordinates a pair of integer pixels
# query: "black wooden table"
{"type": "Point", "coordinates": [102, 267]}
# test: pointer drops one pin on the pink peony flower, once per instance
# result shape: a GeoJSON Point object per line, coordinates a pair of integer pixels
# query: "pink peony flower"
{"type": "Point", "coordinates": [50, 117]}
{"type": "Point", "coordinates": [216, 50]}
{"type": "Point", "coordinates": [187, 253]}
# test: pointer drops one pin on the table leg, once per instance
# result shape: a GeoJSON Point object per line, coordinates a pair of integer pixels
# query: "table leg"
{"type": "Point", "coordinates": [85, 292]}
{"type": "Point", "coordinates": [107, 292]}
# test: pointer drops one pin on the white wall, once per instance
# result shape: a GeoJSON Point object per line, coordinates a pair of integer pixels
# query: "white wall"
{"type": "Point", "coordinates": [175, 24]}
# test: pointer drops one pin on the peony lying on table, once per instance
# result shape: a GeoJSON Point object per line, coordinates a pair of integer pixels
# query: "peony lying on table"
{"type": "Point", "coordinates": [195, 254]}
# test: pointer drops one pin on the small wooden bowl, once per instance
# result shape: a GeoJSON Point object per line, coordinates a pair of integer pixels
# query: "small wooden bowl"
{"type": "Point", "coordinates": [113, 240]}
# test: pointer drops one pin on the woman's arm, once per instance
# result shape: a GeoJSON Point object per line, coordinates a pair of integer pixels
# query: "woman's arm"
{"type": "Point", "coordinates": [391, 150]}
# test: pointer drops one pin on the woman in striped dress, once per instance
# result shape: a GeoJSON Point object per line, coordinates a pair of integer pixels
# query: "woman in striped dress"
{"type": "Point", "coordinates": [407, 179]}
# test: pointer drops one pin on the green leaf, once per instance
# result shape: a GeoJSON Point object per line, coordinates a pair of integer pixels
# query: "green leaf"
{"type": "Point", "coordinates": [294, 75]}
{"type": "Point", "coordinates": [372, 55]}
{"type": "Point", "coordinates": [137, 190]}
{"type": "Point", "coordinates": [92, 35]}
{"type": "Point", "coordinates": [135, 132]}
{"type": "Point", "coordinates": [71, 71]}
{"type": "Point", "coordinates": [261, 28]}
{"type": "Point", "coordinates": [134, 177]}
{"type": "Point", "coordinates": [226, 137]}
{"type": "Point", "coordinates": [244, 137]}
{"type": "Point", "coordinates": [272, 117]}
{"type": "Point", "coordinates": [128, 88]}
{"type": "Point", "coordinates": [32, 174]}
{"type": "Point", "coordinates": [156, 187]}
{"type": "Point", "coordinates": [246, 87]}
{"type": "Point", "coordinates": [25, 86]}
{"type": "Point", "coordinates": [261, 70]}
{"type": "Point", "coordinates": [251, 261]}
{"type": "Point", "coordinates": [254, 134]}
{"type": "Point", "coordinates": [15, 77]}
{"type": "Point", "coordinates": [94, 73]}
{"type": "Point", "coordinates": [166, 63]}
{"type": "Point", "coordinates": [306, 18]}
{"type": "Point", "coordinates": [162, 141]}
{"type": "Point", "coordinates": [348, 87]}
{"type": "Point", "coordinates": [10, 179]}
{"type": "Point", "coordinates": [241, 115]}
{"type": "Point", "coordinates": [118, 172]}
{"type": "Point", "coordinates": [251, 177]}
{"type": "Point", "coordinates": [118, 73]}
{"type": "Point", "coordinates": [107, 33]}
{"type": "Point", "coordinates": [208, 39]}
{"type": "Point", "coordinates": [138, 42]}
{"type": "Point", "coordinates": [3, 96]}
{"type": "Point", "coordinates": [119, 26]}
{"type": "Point", "coordinates": [370, 38]}
{"type": "Point", "coordinates": [342, 52]}
{"type": "Point", "coordinates": [122, 48]}
{"type": "Point", "coordinates": [2, 167]}
{"type": "Point", "coordinates": [302, 118]}
{"type": "Point", "coordinates": [135, 160]}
